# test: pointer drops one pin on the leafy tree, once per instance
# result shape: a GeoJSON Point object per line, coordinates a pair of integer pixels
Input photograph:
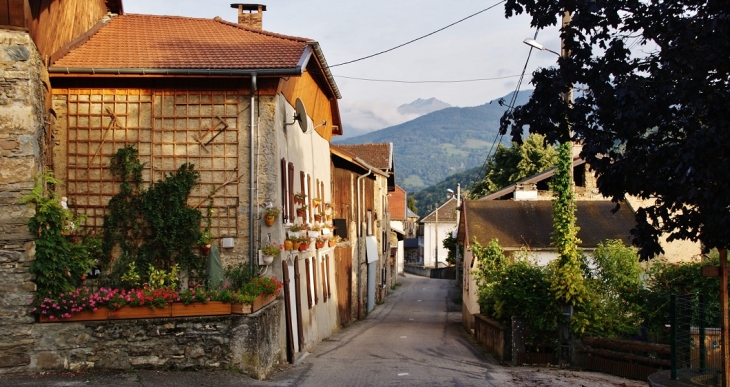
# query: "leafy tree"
{"type": "Point", "coordinates": [411, 203]}
{"type": "Point", "coordinates": [450, 244]}
{"type": "Point", "coordinates": [652, 124]}
{"type": "Point", "coordinates": [510, 165]}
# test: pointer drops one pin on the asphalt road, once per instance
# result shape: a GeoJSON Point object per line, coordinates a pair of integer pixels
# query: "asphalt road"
{"type": "Point", "coordinates": [414, 339]}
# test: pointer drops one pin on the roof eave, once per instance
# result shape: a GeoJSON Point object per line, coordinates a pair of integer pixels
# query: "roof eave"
{"type": "Point", "coordinates": [325, 68]}
{"type": "Point", "coordinates": [61, 70]}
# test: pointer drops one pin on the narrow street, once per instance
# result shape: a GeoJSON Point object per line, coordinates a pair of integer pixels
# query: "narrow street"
{"type": "Point", "coordinates": [416, 339]}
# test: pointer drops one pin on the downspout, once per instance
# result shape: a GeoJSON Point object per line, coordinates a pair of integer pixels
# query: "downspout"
{"type": "Point", "coordinates": [252, 188]}
{"type": "Point", "coordinates": [359, 243]}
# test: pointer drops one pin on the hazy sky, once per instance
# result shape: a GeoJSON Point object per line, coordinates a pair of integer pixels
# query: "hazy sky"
{"type": "Point", "coordinates": [485, 46]}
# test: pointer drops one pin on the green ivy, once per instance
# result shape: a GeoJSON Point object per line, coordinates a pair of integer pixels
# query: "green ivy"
{"type": "Point", "coordinates": [151, 227]}
{"type": "Point", "coordinates": [567, 283]}
{"type": "Point", "coordinates": [59, 263]}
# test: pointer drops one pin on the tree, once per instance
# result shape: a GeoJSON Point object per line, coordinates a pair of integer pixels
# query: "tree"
{"type": "Point", "coordinates": [653, 124]}
{"type": "Point", "coordinates": [510, 165]}
{"type": "Point", "coordinates": [411, 204]}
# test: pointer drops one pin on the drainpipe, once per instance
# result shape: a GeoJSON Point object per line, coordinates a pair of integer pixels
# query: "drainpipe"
{"type": "Point", "coordinates": [359, 242]}
{"type": "Point", "coordinates": [252, 187]}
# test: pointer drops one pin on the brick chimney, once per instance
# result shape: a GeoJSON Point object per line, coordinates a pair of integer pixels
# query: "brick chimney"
{"type": "Point", "coordinates": [250, 15]}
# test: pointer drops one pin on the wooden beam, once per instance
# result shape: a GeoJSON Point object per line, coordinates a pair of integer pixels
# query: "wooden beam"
{"type": "Point", "coordinates": [710, 271]}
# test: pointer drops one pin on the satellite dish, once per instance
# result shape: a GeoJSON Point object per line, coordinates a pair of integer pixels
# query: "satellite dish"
{"type": "Point", "coordinates": [301, 115]}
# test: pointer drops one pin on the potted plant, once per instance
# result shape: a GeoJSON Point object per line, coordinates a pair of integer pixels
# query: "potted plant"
{"type": "Point", "coordinates": [304, 243]}
{"type": "Point", "coordinates": [296, 230]}
{"type": "Point", "coordinates": [300, 197]}
{"type": "Point", "coordinates": [270, 250]}
{"type": "Point", "coordinates": [270, 214]}
{"type": "Point", "coordinates": [205, 238]}
{"type": "Point", "coordinates": [316, 202]}
{"type": "Point", "coordinates": [314, 231]}
{"type": "Point", "coordinates": [288, 244]}
{"type": "Point", "coordinates": [334, 240]}
{"type": "Point", "coordinates": [321, 241]}
{"type": "Point", "coordinates": [302, 211]}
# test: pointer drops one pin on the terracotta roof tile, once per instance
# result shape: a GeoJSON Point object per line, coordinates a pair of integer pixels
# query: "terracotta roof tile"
{"type": "Point", "coordinates": [377, 155]}
{"type": "Point", "coordinates": [149, 41]}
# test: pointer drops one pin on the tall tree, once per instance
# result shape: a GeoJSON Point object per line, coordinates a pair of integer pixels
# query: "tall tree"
{"type": "Point", "coordinates": [513, 164]}
{"type": "Point", "coordinates": [653, 120]}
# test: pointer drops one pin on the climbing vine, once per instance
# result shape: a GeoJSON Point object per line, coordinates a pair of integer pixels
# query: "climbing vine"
{"type": "Point", "coordinates": [149, 227]}
{"type": "Point", "coordinates": [567, 283]}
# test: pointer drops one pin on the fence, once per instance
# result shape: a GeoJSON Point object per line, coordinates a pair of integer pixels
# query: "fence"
{"type": "Point", "coordinates": [496, 338]}
{"type": "Point", "coordinates": [696, 352]}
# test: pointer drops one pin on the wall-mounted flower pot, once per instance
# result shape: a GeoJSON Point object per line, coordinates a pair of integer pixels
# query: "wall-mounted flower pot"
{"type": "Point", "coordinates": [262, 300]}
{"type": "Point", "coordinates": [269, 220]}
{"type": "Point", "coordinates": [303, 246]}
{"type": "Point", "coordinates": [211, 308]}
{"type": "Point", "coordinates": [134, 312]}
{"type": "Point", "coordinates": [87, 315]}
{"type": "Point", "coordinates": [332, 243]}
{"type": "Point", "coordinates": [240, 308]}
{"type": "Point", "coordinates": [288, 245]}
{"type": "Point", "coordinates": [319, 244]}
{"type": "Point", "coordinates": [267, 259]}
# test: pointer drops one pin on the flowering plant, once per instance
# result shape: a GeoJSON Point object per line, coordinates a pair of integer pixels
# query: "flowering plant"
{"type": "Point", "coordinates": [272, 249]}
{"type": "Point", "coordinates": [298, 227]}
{"type": "Point", "coordinates": [272, 211]}
{"type": "Point", "coordinates": [195, 294]}
{"type": "Point", "coordinates": [267, 286]}
{"type": "Point", "coordinates": [153, 298]}
{"type": "Point", "coordinates": [75, 301]}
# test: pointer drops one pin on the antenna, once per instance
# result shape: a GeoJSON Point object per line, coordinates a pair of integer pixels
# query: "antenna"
{"type": "Point", "coordinates": [300, 116]}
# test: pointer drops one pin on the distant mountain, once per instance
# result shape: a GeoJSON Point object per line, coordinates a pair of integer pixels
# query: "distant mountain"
{"type": "Point", "coordinates": [439, 144]}
{"type": "Point", "coordinates": [422, 106]}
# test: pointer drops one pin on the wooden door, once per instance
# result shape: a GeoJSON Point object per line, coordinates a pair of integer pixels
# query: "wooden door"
{"type": "Point", "coordinates": [343, 280]}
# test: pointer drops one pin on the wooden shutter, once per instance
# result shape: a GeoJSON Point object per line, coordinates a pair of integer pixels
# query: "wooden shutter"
{"type": "Point", "coordinates": [291, 192]}
{"type": "Point", "coordinates": [284, 190]}
{"type": "Point", "coordinates": [314, 277]}
{"type": "Point", "coordinates": [324, 283]}
{"type": "Point", "coordinates": [309, 283]}
{"type": "Point", "coordinates": [297, 287]}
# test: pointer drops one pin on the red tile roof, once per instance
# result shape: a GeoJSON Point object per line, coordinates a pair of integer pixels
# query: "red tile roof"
{"type": "Point", "coordinates": [149, 41]}
{"type": "Point", "coordinates": [377, 155]}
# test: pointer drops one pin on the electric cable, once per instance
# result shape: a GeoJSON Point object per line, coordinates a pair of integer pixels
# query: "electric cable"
{"type": "Point", "coordinates": [510, 107]}
{"type": "Point", "coordinates": [431, 81]}
{"type": "Point", "coordinates": [419, 38]}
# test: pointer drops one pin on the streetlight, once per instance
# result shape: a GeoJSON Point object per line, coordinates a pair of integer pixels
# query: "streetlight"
{"type": "Point", "coordinates": [534, 43]}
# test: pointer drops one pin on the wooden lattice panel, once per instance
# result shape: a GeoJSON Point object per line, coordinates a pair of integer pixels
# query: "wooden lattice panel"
{"type": "Point", "coordinates": [167, 127]}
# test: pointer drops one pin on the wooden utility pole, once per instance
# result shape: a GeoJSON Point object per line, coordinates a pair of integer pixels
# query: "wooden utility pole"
{"type": "Point", "coordinates": [723, 313]}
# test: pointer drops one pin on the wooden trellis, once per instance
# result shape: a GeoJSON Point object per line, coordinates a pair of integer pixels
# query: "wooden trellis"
{"type": "Point", "coordinates": [166, 127]}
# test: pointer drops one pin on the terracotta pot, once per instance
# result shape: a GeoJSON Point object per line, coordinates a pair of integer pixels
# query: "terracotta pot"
{"type": "Point", "coordinates": [269, 219]}
{"type": "Point", "coordinates": [332, 243]}
{"type": "Point", "coordinates": [296, 245]}
{"type": "Point", "coordinates": [205, 250]}
{"type": "Point", "coordinates": [288, 244]}
{"type": "Point", "coordinates": [304, 247]}
{"type": "Point", "coordinates": [301, 213]}
{"type": "Point", "coordinates": [317, 218]}
{"type": "Point", "coordinates": [319, 244]}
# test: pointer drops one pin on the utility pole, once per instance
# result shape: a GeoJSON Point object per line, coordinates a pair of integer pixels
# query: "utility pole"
{"type": "Point", "coordinates": [436, 239]}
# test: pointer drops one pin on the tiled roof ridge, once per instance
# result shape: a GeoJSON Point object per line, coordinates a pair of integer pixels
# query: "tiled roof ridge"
{"type": "Point", "coordinates": [263, 32]}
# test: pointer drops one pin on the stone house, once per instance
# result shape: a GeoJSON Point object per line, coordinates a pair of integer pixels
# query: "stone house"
{"type": "Point", "coordinates": [367, 170]}
{"type": "Point", "coordinates": [253, 110]}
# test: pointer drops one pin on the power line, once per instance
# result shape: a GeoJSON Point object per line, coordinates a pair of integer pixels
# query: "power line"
{"type": "Point", "coordinates": [431, 81]}
{"type": "Point", "coordinates": [511, 107]}
{"type": "Point", "coordinates": [419, 38]}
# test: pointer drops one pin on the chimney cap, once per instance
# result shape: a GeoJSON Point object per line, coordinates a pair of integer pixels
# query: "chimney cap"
{"type": "Point", "coordinates": [249, 7]}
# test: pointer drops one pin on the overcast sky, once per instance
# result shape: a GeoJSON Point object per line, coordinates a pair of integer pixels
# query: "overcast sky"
{"type": "Point", "coordinates": [485, 46]}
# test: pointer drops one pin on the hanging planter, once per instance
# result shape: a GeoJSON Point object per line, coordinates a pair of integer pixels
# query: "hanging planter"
{"type": "Point", "coordinates": [299, 198]}
{"type": "Point", "coordinates": [302, 211]}
{"type": "Point", "coordinates": [304, 246]}
{"type": "Point", "coordinates": [269, 220]}
{"type": "Point", "coordinates": [288, 245]}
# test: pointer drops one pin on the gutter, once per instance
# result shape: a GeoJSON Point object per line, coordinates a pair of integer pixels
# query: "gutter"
{"type": "Point", "coordinates": [370, 167]}
{"type": "Point", "coordinates": [252, 187]}
{"type": "Point", "coordinates": [172, 71]}
{"type": "Point", "coordinates": [359, 243]}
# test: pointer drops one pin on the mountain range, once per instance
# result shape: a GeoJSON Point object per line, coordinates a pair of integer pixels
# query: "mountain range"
{"type": "Point", "coordinates": [422, 106]}
{"type": "Point", "coordinates": [439, 144]}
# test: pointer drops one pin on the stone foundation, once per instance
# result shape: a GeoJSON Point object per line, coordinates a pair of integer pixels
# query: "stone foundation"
{"type": "Point", "coordinates": [249, 343]}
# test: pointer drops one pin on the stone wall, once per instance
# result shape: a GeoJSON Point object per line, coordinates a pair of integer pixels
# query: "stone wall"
{"type": "Point", "coordinates": [22, 94]}
{"type": "Point", "coordinates": [250, 344]}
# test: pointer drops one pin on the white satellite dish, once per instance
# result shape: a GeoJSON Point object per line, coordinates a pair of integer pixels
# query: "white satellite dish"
{"type": "Point", "coordinates": [300, 115]}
